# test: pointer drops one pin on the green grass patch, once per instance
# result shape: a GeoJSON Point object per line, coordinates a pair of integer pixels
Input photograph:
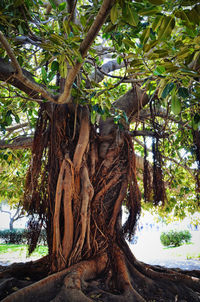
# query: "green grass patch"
{"type": "Point", "coordinates": [20, 249]}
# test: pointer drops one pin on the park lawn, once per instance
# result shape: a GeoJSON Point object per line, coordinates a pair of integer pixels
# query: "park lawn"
{"type": "Point", "coordinates": [21, 251]}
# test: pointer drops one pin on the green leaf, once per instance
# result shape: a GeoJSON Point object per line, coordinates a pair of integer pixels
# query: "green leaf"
{"type": "Point", "coordinates": [196, 121]}
{"type": "Point", "coordinates": [168, 88]}
{"type": "Point", "coordinates": [175, 104]}
{"type": "Point", "coordinates": [149, 12]}
{"type": "Point", "coordinates": [159, 70]}
{"type": "Point", "coordinates": [156, 23]}
{"type": "Point", "coordinates": [119, 60]}
{"type": "Point", "coordinates": [62, 6]}
{"type": "Point", "coordinates": [66, 27]}
{"type": "Point", "coordinates": [132, 17]}
{"type": "Point", "coordinates": [145, 35]}
{"type": "Point", "coordinates": [166, 28]}
{"type": "Point", "coordinates": [93, 116]}
{"type": "Point", "coordinates": [183, 92]}
{"type": "Point", "coordinates": [44, 74]}
{"type": "Point", "coordinates": [129, 43]}
{"type": "Point", "coordinates": [157, 2]}
{"type": "Point", "coordinates": [54, 66]}
{"type": "Point", "coordinates": [17, 118]}
{"type": "Point", "coordinates": [114, 14]}
{"type": "Point", "coordinates": [150, 45]}
{"type": "Point", "coordinates": [194, 16]}
{"type": "Point", "coordinates": [52, 4]}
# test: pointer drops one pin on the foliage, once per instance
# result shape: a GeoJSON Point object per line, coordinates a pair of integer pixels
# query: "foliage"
{"type": "Point", "coordinates": [19, 236]}
{"type": "Point", "coordinates": [175, 238]}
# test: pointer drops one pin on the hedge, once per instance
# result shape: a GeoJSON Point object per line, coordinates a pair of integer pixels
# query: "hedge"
{"type": "Point", "coordinates": [20, 236]}
{"type": "Point", "coordinates": [175, 238]}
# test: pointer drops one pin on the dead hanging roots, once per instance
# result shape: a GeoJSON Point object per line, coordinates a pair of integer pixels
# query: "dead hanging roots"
{"type": "Point", "coordinates": [158, 182]}
{"type": "Point", "coordinates": [134, 195]}
{"type": "Point", "coordinates": [35, 201]}
{"type": "Point", "coordinates": [196, 140]}
{"type": "Point", "coordinates": [147, 177]}
{"type": "Point", "coordinates": [159, 194]}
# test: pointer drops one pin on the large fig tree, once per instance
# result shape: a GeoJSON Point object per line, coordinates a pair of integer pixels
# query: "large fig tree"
{"type": "Point", "coordinates": [93, 80]}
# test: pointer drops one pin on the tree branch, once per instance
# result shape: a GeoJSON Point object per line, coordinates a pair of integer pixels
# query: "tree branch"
{"type": "Point", "coordinates": [84, 47]}
{"type": "Point", "coordinates": [104, 70]}
{"type": "Point", "coordinates": [18, 73]}
{"type": "Point", "coordinates": [148, 133]}
{"type": "Point", "coordinates": [4, 211]}
{"type": "Point", "coordinates": [20, 142]}
{"type": "Point", "coordinates": [13, 128]}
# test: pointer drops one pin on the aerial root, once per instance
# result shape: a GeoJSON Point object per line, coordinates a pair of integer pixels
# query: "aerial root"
{"type": "Point", "coordinates": [87, 192]}
{"type": "Point", "coordinates": [169, 274]}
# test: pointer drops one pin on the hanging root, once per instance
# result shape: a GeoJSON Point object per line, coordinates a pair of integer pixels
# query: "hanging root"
{"type": "Point", "coordinates": [86, 196]}
{"type": "Point", "coordinates": [65, 189]}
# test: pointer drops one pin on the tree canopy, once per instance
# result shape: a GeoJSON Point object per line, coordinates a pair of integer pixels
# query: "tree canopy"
{"type": "Point", "coordinates": [106, 96]}
{"type": "Point", "coordinates": [149, 44]}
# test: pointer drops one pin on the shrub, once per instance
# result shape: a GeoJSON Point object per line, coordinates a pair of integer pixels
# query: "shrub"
{"type": "Point", "coordinates": [19, 236]}
{"type": "Point", "coordinates": [15, 236]}
{"type": "Point", "coordinates": [175, 238]}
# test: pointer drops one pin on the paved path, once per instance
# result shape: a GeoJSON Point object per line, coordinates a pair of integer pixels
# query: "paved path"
{"type": "Point", "coordinates": [183, 264]}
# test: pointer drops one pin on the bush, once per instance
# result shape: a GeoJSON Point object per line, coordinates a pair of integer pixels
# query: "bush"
{"type": "Point", "coordinates": [15, 236]}
{"type": "Point", "coordinates": [19, 236]}
{"type": "Point", "coordinates": [174, 238]}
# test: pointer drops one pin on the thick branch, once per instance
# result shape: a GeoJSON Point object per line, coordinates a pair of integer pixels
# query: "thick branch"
{"type": "Point", "coordinates": [29, 86]}
{"type": "Point", "coordinates": [18, 73]}
{"type": "Point", "coordinates": [109, 66]}
{"type": "Point", "coordinates": [132, 102]}
{"type": "Point", "coordinates": [13, 128]}
{"type": "Point", "coordinates": [84, 47]}
{"type": "Point", "coordinates": [148, 133]}
{"type": "Point", "coordinates": [20, 142]}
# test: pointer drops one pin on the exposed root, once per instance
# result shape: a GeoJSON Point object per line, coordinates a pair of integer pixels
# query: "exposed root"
{"type": "Point", "coordinates": [123, 279]}
{"type": "Point", "coordinates": [99, 279]}
{"type": "Point", "coordinates": [73, 282]}
{"type": "Point", "coordinates": [34, 269]}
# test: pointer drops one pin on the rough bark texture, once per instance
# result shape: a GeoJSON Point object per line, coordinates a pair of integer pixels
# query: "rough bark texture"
{"type": "Point", "coordinates": [76, 183]}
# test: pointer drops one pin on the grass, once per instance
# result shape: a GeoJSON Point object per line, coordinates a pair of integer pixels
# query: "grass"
{"type": "Point", "coordinates": [19, 251]}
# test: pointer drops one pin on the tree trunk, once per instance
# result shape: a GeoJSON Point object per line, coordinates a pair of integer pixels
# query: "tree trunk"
{"type": "Point", "coordinates": [11, 222]}
{"type": "Point", "coordinates": [78, 179]}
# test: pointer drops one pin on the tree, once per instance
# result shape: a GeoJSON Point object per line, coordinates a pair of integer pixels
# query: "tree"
{"type": "Point", "coordinates": [55, 67]}
{"type": "Point", "coordinates": [13, 217]}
